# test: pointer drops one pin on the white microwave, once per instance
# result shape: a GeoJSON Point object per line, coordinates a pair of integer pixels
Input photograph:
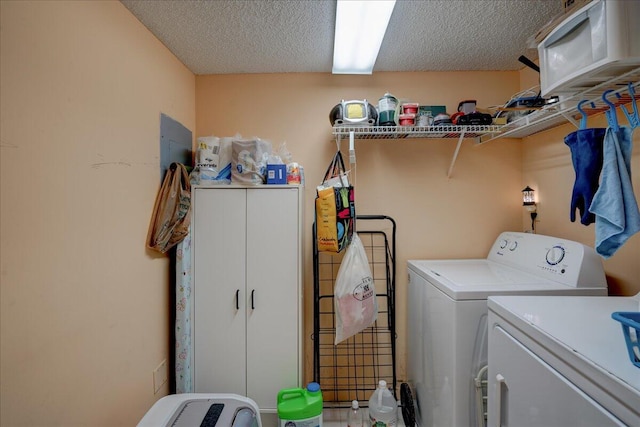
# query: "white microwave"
{"type": "Point", "coordinates": [597, 42]}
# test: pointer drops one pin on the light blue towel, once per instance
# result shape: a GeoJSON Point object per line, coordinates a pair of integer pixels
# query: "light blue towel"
{"type": "Point", "coordinates": [614, 204]}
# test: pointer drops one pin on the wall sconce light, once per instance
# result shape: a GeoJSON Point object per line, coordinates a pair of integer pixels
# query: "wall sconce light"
{"type": "Point", "coordinates": [529, 203]}
{"type": "Point", "coordinates": [528, 199]}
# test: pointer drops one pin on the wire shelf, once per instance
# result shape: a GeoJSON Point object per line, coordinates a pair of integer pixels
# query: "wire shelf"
{"type": "Point", "coordinates": [547, 117]}
{"type": "Point", "coordinates": [566, 110]}
{"type": "Point", "coordinates": [403, 132]}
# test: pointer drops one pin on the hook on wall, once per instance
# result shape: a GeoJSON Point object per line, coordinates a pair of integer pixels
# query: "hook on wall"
{"type": "Point", "coordinates": [611, 112]}
{"type": "Point", "coordinates": [583, 119]}
{"type": "Point", "coordinates": [633, 118]}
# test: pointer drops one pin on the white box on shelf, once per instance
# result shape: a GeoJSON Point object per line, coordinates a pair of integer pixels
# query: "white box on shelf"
{"type": "Point", "coordinates": [599, 41]}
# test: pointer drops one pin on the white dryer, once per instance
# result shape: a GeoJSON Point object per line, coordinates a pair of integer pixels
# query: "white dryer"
{"type": "Point", "coordinates": [561, 362]}
{"type": "Point", "coordinates": [447, 316]}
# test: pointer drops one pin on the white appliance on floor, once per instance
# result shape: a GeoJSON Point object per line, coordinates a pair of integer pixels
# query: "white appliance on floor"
{"type": "Point", "coordinates": [561, 361]}
{"type": "Point", "coordinates": [447, 316]}
{"type": "Point", "coordinates": [203, 410]}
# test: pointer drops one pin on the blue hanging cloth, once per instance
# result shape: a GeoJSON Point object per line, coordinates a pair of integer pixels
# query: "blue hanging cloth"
{"type": "Point", "coordinates": [614, 204]}
{"type": "Point", "coordinates": [587, 157]}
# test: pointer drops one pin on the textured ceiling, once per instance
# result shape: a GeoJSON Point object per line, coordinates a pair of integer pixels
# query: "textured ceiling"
{"type": "Point", "coordinates": [278, 36]}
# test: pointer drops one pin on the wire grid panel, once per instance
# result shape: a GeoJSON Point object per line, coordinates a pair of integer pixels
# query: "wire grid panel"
{"type": "Point", "coordinates": [351, 370]}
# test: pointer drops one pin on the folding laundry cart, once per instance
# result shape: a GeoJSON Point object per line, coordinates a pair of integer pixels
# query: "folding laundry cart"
{"type": "Point", "coordinates": [351, 370]}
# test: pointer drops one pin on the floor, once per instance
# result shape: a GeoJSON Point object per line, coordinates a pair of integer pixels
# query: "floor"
{"type": "Point", "coordinates": [338, 418]}
{"type": "Point", "coordinates": [331, 418]}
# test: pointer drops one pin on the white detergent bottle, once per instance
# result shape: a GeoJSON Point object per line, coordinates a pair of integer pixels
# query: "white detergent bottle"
{"type": "Point", "coordinates": [383, 408]}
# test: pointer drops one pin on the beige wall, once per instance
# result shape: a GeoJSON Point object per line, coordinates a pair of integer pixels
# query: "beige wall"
{"type": "Point", "coordinates": [84, 307]}
{"type": "Point", "coordinates": [547, 168]}
{"type": "Point", "coordinates": [437, 217]}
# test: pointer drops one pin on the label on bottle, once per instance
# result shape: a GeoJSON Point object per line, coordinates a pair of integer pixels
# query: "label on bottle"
{"type": "Point", "coordinates": [375, 423]}
{"type": "Point", "coordinates": [307, 422]}
{"type": "Point", "coordinates": [386, 104]}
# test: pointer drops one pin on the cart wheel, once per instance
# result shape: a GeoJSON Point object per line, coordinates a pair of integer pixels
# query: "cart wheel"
{"type": "Point", "coordinates": [408, 411]}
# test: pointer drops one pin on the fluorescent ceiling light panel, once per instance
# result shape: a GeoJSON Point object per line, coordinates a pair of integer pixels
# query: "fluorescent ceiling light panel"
{"type": "Point", "coordinates": [360, 28]}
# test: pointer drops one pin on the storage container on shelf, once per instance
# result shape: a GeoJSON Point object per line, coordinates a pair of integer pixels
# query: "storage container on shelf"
{"type": "Point", "coordinates": [407, 119]}
{"type": "Point", "coordinates": [387, 109]}
{"type": "Point", "coordinates": [593, 43]}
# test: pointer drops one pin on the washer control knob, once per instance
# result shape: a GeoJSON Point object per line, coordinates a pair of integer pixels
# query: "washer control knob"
{"type": "Point", "coordinates": [513, 246]}
{"type": "Point", "coordinates": [555, 255]}
{"type": "Point", "coordinates": [503, 243]}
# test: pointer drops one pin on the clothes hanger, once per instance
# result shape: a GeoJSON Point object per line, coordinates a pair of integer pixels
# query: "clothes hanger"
{"type": "Point", "coordinates": [633, 118]}
{"type": "Point", "coordinates": [612, 119]}
{"type": "Point", "coordinates": [583, 119]}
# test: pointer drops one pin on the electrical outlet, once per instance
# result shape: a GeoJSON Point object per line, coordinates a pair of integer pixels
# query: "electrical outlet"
{"type": "Point", "coordinates": [159, 376]}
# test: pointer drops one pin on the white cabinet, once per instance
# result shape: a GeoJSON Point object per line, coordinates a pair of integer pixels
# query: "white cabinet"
{"type": "Point", "coordinates": [247, 275]}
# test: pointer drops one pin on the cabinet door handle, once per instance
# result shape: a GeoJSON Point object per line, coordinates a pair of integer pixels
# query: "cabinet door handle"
{"type": "Point", "coordinates": [500, 383]}
{"type": "Point", "coordinates": [252, 305]}
{"type": "Point", "coordinates": [237, 299]}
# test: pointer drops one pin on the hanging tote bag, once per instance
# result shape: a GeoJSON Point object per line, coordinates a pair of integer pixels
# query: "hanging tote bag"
{"type": "Point", "coordinates": [170, 219]}
{"type": "Point", "coordinates": [356, 306]}
{"type": "Point", "coordinates": [335, 208]}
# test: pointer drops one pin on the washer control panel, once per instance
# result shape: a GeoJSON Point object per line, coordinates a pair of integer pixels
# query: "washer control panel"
{"type": "Point", "coordinates": [561, 260]}
{"type": "Point", "coordinates": [555, 255]}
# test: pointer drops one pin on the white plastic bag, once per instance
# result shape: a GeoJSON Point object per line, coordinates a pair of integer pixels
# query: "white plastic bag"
{"type": "Point", "coordinates": [356, 305]}
{"type": "Point", "coordinates": [213, 161]}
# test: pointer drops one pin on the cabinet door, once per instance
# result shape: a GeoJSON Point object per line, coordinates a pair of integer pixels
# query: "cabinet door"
{"type": "Point", "coordinates": [533, 394]}
{"type": "Point", "coordinates": [273, 271]}
{"type": "Point", "coordinates": [218, 239]}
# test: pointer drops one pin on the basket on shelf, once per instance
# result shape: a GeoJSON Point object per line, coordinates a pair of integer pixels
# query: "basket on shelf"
{"type": "Point", "coordinates": [631, 329]}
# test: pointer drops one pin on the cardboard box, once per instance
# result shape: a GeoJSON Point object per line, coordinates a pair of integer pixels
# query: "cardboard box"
{"type": "Point", "coordinates": [569, 5]}
{"type": "Point", "coordinates": [276, 174]}
{"type": "Point", "coordinates": [434, 109]}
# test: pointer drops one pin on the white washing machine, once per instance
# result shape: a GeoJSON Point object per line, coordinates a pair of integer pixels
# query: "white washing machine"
{"type": "Point", "coordinates": [561, 361]}
{"type": "Point", "coordinates": [202, 410]}
{"type": "Point", "coordinates": [447, 316]}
